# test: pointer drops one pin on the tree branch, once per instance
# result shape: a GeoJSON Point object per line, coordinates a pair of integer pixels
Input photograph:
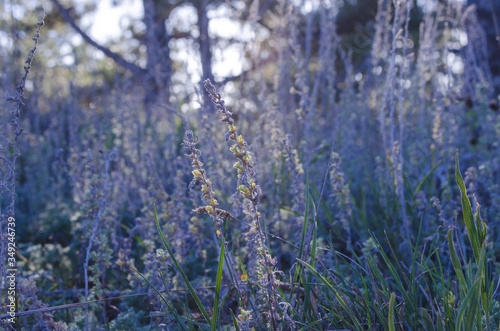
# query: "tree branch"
{"type": "Point", "coordinates": [112, 55]}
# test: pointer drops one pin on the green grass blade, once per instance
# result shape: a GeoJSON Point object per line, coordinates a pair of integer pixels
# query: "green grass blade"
{"type": "Point", "coordinates": [342, 302]}
{"type": "Point", "coordinates": [480, 225]}
{"type": "Point", "coordinates": [218, 284]}
{"type": "Point", "coordinates": [426, 320]}
{"type": "Point", "coordinates": [469, 309]}
{"type": "Point", "coordinates": [468, 217]}
{"type": "Point", "coordinates": [190, 287]}
{"type": "Point", "coordinates": [457, 266]}
{"type": "Point", "coordinates": [397, 272]}
{"type": "Point", "coordinates": [310, 326]}
{"type": "Point", "coordinates": [298, 267]}
{"type": "Point", "coordinates": [391, 312]}
{"type": "Point", "coordinates": [312, 258]}
{"type": "Point", "coordinates": [235, 321]}
{"type": "Point", "coordinates": [314, 242]}
{"type": "Point", "coordinates": [167, 303]}
{"type": "Point", "coordinates": [485, 294]}
{"type": "Point", "coordinates": [426, 177]}
{"type": "Point", "coordinates": [305, 225]}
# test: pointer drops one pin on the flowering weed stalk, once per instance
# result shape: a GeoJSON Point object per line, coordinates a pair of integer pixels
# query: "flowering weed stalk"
{"type": "Point", "coordinates": [264, 264]}
{"type": "Point", "coordinates": [10, 152]}
{"type": "Point", "coordinates": [215, 213]}
{"type": "Point", "coordinates": [199, 176]}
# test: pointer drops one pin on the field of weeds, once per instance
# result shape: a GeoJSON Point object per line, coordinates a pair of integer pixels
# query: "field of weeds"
{"type": "Point", "coordinates": [343, 179]}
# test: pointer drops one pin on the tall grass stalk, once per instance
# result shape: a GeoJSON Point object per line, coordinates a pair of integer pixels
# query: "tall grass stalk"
{"type": "Point", "coordinates": [10, 152]}
{"type": "Point", "coordinates": [250, 191]}
{"type": "Point", "coordinates": [217, 215]}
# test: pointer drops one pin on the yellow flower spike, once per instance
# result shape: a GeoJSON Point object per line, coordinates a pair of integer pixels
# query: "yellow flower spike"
{"type": "Point", "coordinates": [219, 234]}
{"type": "Point", "coordinates": [451, 298]}
{"type": "Point", "coordinates": [197, 164]}
{"type": "Point", "coordinates": [244, 190]}
{"type": "Point", "coordinates": [197, 174]}
{"type": "Point", "coordinates": [238, 165]}
{"type": "Point", "coordinates": [247, 158]}
{"type": "Point", "coordinates": [231, 128]}
{"type": "Point", "coordinates": [240, 153]}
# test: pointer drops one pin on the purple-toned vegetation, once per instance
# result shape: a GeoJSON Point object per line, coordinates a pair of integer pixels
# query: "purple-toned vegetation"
{"type": "Point", "coordinates": [346, 177]}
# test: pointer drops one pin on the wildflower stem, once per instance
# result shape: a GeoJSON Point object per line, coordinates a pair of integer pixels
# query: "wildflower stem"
{"type": "Point", "coordinates": [250, 191]}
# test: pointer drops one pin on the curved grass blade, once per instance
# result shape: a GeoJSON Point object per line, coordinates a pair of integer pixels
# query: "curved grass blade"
{"type": "Point", "coordinates": [455, 261]}
{"type": "Point", "coordinates": [426, 177]}
{"type": "Point", "coordinates": [298, 268]}
{"type": "Point", "coordinates": [469, 306]}
{"type": "Point", "coordinates": [167, 303]}
{"type": "Point", "coordinates": [342, 302]}
{"type": "Point", "coordinates": [190, 287]}
{"type": "Point", "coordinates": [218, 284]}
{"type": "Point", "coordinates": [235, 321]}
{"type": "Point", "coordinates": [468, 217]}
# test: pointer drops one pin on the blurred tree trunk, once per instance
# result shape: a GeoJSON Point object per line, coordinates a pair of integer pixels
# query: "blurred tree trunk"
{"type": "Point", "coordinates": [159, 65]}
{"type": "Point", "coordinates": [205, 45]}
{"type": "Point", "coordinates": [156, 77]}
{"type": "Point", "coordinates": [488, 13]}
{"type": "Point", "coordinates": [204, 41]}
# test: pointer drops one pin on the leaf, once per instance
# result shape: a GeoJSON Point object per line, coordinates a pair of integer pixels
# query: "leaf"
{"type": "Point", "coordinates": [218, 284]}
{"type": "Point", "coordinates": [468, 217]}
{"type": "Point", "coordinates": [391, 312]}
{"type": "Point", "coordinates": [457, 266]}
{"type": "Point", "coordinates": [426, 320]}
{"type": "Point", "coordinates": [469, 308]}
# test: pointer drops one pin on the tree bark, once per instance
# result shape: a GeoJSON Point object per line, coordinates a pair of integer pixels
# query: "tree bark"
{"type": "Point", "coordinates": [205, 45]}
{"type": "Point", "coordinates": [488, 13]}
{"type": "Point", "coordinates": [159, 65]}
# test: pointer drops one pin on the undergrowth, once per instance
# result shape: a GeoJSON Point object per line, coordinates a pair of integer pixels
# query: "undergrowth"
{"type": "Point", "coordinates": [378, 288]}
